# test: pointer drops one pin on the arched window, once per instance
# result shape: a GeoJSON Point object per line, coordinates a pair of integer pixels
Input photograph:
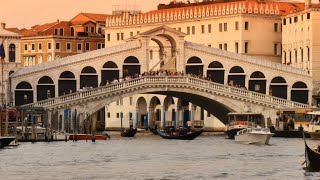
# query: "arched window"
{"type": "Point", "coordinates": [39, 59]}
{"type": "Point", "coordinates": [49, 58]}
{"type": "Point", "coordinates": [12, 53]}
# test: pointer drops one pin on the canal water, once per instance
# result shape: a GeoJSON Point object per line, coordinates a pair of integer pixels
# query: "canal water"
{"type": "Point", "coordinates": [150, 157]}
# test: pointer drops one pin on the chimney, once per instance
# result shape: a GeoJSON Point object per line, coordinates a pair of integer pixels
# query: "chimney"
{"type": "Point", "coordinates": [3, 25]}
{"type": "Point", "coordinates": [307, 4]}
{"type": "Point", "coordinates": [58, 20]}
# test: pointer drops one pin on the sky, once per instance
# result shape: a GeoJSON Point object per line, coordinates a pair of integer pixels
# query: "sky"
{"type": "Point", "coordinates": [26, 13]}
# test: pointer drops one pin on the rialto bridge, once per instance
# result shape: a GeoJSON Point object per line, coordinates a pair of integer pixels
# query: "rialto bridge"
{"type": "Point", "coordinates": [63, 83]}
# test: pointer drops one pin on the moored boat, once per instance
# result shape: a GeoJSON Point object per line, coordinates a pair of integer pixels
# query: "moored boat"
{"type": "Point", "coordinates": [182, 135]}
{"type": "Point", "coordinates": [87, 137]}
{"type": "Point", "coordinates": [313, 128]}
{"type": "Point", "coordinates": [312, 156]}
{"type": "Point", "coordinates": [239, 121]}
{"type": "Point", "coordinates": [254, 136]}
{"type": "Point", "coordinates": [6, 140]}
{"type": "Point", "coordinates": [128, 132]}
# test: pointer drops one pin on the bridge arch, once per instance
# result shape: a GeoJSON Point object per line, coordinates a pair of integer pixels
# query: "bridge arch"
{"type": "Point", "coordinates": [215, 72]}
{"type": "Point", "coordinates": [194, 66]}
{"type": "Point", "coordinates": [155, 111]}
{"type": "Point", "coordinates": [88, 77]}
{"type": "Point", "coordinates": [23, 93]}
{"type": "Point", "coordinates": [279, 87]}
{"type": "Point", "coordinates": [237, 76]}
{"type": "Point", "coordinates": [299, 92]}
{"type": "Point", "coordinates": [109, 72]}
{"type": "Point", "coordinates": [45, 88]}
{"type": "Point", "coordinates": [131, 66]}
{"type": "Point", "coordinates": [258, 82]}
{"type": "Point", "coordinates": [67, 83]}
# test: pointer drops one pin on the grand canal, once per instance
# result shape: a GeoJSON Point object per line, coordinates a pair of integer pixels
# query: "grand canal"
{"type": "Point", "coordinates": [150, 157]}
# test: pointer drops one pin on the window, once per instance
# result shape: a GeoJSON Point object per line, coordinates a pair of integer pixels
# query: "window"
{"type": "Point", "coordinates": [68, 46]}
{"type": "Point", "coordinates": [131, 34]}
{"type": "Point", "coordinates": [296, 19]}
{"type": "Point", "coordinates": [57, 46]}
{"type": "Point", "coordinates": [72, 31]}
{"type": "Point", "coordinates": [275, 50]}
{"type": "Point", "coordinates": [308, 15]}
{"type": "Point", "coordinates": [209, 28]}
{"type": "Point", "coordinates": [79, 48]}
{"type": "Point", "coordinates": [138, 32]}
{"type": "Point", "coordinates": [226, 47]}
{"type": "Point", "coordinates": [290, 57]}
{"type": "Point", "coordinates": [32, 47]}
{"type": "Point", "coordinates": [302, 17]}
{"type": "Point", "coordinates": [236, 47]}
{"type": "Point", "coordinates": [108, 115]}
{"type": "Point", "coordinates": [118, 36]}
{"type": "Point", "coordinates": [284, 22]}
{"type": "Point", "coordinates": [301, 55]}
{"type": "Point", "coordinates": [61, 32]}
{"type": "Point", "coordinates": [122, 36]}
{"type": "Point", "coordinates": [99, 30]}
{"type": "Point", "coordinates": [246, 25]}
{"type": "Point", "coordinates": [290, 20]}
{"type": "Point", "coordinates": [220, 46]}
{"type": "Point", "coordinates": [103, 45]}
{"type": "Point", "coordinates": [56, 32]}
{"type": "Point", "coordinates": [87, 29]}
{"type": "Point", "coordinates": [296, 55]}
{"type": "Point", "coordinates": [275, 27]}
{"type": "Point", "coordinates": [193, 30]}
{"type": "Point", "coordinates": [179, 29]}
{"type": "Point", "coordinates": [151, 54]}
{"type": "Point", "coordinates": [285, 57]}
{"type": "Point", "coordinates": [12, 53]}
{"type": "Point", "coordinates": [118, 114]}
{"type": "Point", "coordinates": [99, 46]}
{"type": "Point", "coordinates": [236, 25]}
{"type": "Point", "coordinates": [108, 37]}
{"type": "Point", "coordinates": [87, 46]}
{"type": "Point", "coordinates": [92, 29]}
{"type": "Point", "coordinates": [188, 30]}
{"type": "Point", "coordinates": [202, 29]}
{"type": "Point", "coordinates": [220, 27]}
{"type": "Point", "coordinates": [40, 46]}
{"type": "Point", "coordinates": [25, 47]}
{"type": "Point", "coordinates": [308, 53]}
{"type": "Point", "coordinates": [246, 44]}
{"type": "Point", "coordinates": [225, 27]}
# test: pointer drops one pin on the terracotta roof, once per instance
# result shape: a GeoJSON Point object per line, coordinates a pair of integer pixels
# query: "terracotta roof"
{"type": "Point", "coordinates": [84, 18]}
{"type": "Point", "coordinates": [97, 17]}
{"type": "Point", "coordinates": [44, 29]}
{"type": "Point", "coordinates": [15, 30]}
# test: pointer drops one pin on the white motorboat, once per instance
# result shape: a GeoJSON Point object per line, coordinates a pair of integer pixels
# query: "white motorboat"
{"type": "Point", "coordinates": [254, 136]}
{"type": "Point", "coordinates": [313, 128]}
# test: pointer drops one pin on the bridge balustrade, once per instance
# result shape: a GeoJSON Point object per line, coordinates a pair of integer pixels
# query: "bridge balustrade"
{"type": "Point", "coordinates": [182, 80]}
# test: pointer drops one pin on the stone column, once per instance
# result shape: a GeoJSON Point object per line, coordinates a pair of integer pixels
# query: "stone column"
{"type": "Point", "coordinates": [288, 92]}
{"type": "Point", "coordinates": [163, 118]}
{"type": "Point", "coordinates": [137, 117]}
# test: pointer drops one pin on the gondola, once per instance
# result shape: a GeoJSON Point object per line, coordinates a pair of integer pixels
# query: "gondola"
{"type": "Point", "coordinates": [128, 132]}
{"type": "Point", "coordinates": [5, 141]}
{"type": "Point", "coordinates": [312, 158]}
{"type": "Point", "coordinates": [181, 136]}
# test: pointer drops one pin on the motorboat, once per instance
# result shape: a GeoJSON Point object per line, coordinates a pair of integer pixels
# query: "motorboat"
{"type": "Point", "coordinates": [254, 136]}
{"type": "Point", "coordinates": [239, 121]}
{"type": "Point", "coordinates": [181, 135]}
{"type": "Point", "coordinates": [76, 137]}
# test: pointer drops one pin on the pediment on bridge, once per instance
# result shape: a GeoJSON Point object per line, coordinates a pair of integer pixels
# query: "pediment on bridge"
{"type": "Point", "coordinates": [163, 30]}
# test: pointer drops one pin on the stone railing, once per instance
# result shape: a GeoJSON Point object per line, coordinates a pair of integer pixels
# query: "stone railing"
{"type": "Point", "coordinates": [169, 81]}
{"type": "Point", "coordinates": [248, 59]}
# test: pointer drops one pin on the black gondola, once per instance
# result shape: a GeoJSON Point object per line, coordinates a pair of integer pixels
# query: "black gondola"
{"type": "Point", "coordinates": [154, 131]}
{"type": "Point", "coordinates": [5, 141]}
{"type": "Point", "coordinates": [128, 132]}
{"type": "Point", "coordinates": [181, 136]}
{"type": "Point", "coordinates": [312, 158]}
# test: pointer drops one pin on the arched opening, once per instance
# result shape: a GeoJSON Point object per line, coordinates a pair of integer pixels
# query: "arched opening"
{"type": "Point", "coordinates": [237, 77]}
{"type": "Point", "coordinates": [278, 87]}
{"type": "Point", "coordinates": [88, 77]}
{"type": "Point", "coordinates": [155, 112]}
{"type": "Point", "coordinates": [169, 112]}
{"type": "Point", "coordinates": [130, 66]}
{"type": "Point", "coordinates": [194, 66]}
{"type": "Point", "coordinates": [142, 113]}
{"type": "Point", "coordinates": [300, 92]}
{"type": "Point", "coordinates": [12, 53]}
{"type": "Point", "coordinates": [45, 88]}
{"type": "Point", "coordinates": [23, 93]}
{"type": "Point", "coordinates": [67, 83]}
{"type": "Point", "coordinates": [257, 82]}
{"type": "Point", "coordinates": [215, 72]}
{"type": "Point", "coordinates": [109, 72]}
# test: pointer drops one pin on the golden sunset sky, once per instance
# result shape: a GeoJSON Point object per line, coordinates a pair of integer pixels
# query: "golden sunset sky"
{"type": "Point", "coordinates": [26, 13]}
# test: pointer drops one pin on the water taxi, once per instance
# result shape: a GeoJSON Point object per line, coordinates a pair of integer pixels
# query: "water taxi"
{"type": "Point", "coordinates": [254, 136]}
